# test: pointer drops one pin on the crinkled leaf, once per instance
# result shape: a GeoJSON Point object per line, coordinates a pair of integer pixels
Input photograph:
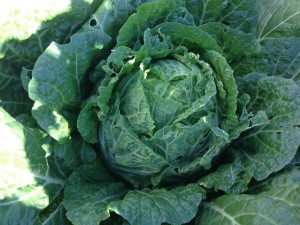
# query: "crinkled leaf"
{"type": "Point", "coordinates": [146, 17]}
{"type": "Point", "coordinates": [124, 153]}
{"type": "Point", "coordinates": [88, 203]}
{"type": "Point", "coordinates": [201, 160]}
{"type": "Point", "coordinates": [87, 124]}
{"type": "Point", "coordinates": [275, 201]}
{"type": "Point", "coordinates": [234, 43]}
{"type": "Point", "coordinates": [181, 140]}
{"type": "Point", "coordinates": [284, 57]}
{"type": "Point", "coordinates": [194, 38]}
{"type": "Point", "coordinates": [230, 178]}
{"type": "Point", "coordinates": [257, 62]}
{"type": "Point", "coordinates": [271, 146]}
{"type": "Point", "coordinates": [112, 14]}
{"type": "Point", "coordinates": [152, 207]}
{"type": "Point", "coordinates": [137, 109]}
{"type": "Point", "coordinates": [228, 103]}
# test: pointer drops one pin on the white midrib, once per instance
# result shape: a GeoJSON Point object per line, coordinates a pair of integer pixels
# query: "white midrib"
{"type": "Point", "coordinates": [222, 212]}
{"type": "Point", "coordinates": [278, 25]}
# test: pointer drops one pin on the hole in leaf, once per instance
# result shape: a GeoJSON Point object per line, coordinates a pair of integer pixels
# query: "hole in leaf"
{"type": "Point", "coordinates": [93, 22]}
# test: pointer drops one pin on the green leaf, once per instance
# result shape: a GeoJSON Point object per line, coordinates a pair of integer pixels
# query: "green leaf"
{"type": "Point", "coordinates": [69, 63]}
{"type": "Point", "coordinates": [234, 43]}
{"type": "Point", "coordinates": [137, 109]}
{"type": "Point", "coordinates": [57, 217]}
{"type": "Point", "coordinates": [112, 14]}
{"type": "Point", "coordinates": [257, 62]}
{"type": "Point", "coordinates": [195, 38]}
{"type": "Point", "coordinates": [271, 146]}
{"type": "Point", "coordinates": [61, 86]}
{"type": "Point", "coordinates": [25, 37]}
{"type": "Point", "coordinates": [278, 18]}
{"type": "Point", "coordinates": [88, 123]}
{"type": "Point", "coordinates": [146, 17]}
{"type": "Point", "coordinates": [206, 10]}
{"type": "Point", "coordinates": [151, 207]}
{"type": "Point", "coordinates": [283, 57]}
{"type": "Point", "coordinates": [228, 103]}
{"type": "Point", "coordinates": [28, 185]}
{"type": "Point", "coordinates": [13, 98]}
{"type": "Point", "coordinates": [88, 203]}
{"type": "Point", "coordinates": [66, 153]}
{"type": "Point", "coordinates": [182, 140]}
{"type": "Point", "coordinates": [232, 178]}
{"type": "Point", "coordinates": [126, 154]}
{"type": "Point", "coordinates": [241, 14]}
{"type": "Point", "coordinates": [275, 201]}
{"type": "Point", "coordinates": [51, 121]}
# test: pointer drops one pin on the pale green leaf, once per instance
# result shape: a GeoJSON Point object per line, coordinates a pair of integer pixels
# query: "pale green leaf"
{"type": "Point", "coordinates": [279, 18]}
{"type": "Point", "coordinates": [27, 184]}
{"type": "Point", "coordinates": [273, 202]}
{"type": "Point", "coordinates": [152, 207]}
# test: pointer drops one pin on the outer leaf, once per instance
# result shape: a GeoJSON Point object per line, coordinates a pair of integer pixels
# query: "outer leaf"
{"type": "Point", "coordinates": [241, 14]}
{"type": "Point", "coordinates": [279, 18]}
{"type": "Point", "coordinates": [284, 57]}
{"type": "Point", "coordinates": [270, 146]}
{"type": "Point", "coordinates": [27, 183]}
{"type": "Point", "coordinates": [176, 206]}
{"type": "Point", "coordinates": [87, 203]}
{"type": "Point", "coordinates": [146, 17]}
{"type": "Point", "coordinates": [87, 124]}
{"type": "Point", "coordinates": [273, 145]}
{"type": "Point", "coordinates": [195, 38]}
{"type": "Point", "coordinates": [58, 78]}
{"type": "Point", "coordinates": [230, 178]}
{"type": "Point", "coordinates": [206, 10]}
{"type": "Point", "coordinates": [13, 98]}
{"type": "Point", "coordinates": [58, 74]}
{"type": "Point", "coordinates": [24, 37]}
{"type": "Point", "coordinates": [57, 217]}
{"type": "Point", "coordinates": [234, 43]}
{"type": "Point", "coordinates": [112, 14]}
{"type": "Point", "coordinates": [258, 63]}
{"type": "Point", "coordinates": [51, 121]}
{"type": "Point", "coordinates": [274, 202]}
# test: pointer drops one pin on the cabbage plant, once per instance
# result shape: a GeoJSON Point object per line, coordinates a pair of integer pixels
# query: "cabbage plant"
{"type": "Point", "coordinates": [152, 112]}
